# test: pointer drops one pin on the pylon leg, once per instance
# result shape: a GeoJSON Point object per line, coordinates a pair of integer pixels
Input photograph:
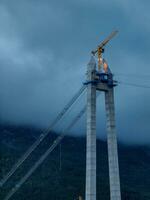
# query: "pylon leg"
{"type": "Point", "coordinates": [114, 178]}
{"type": "Point", "coordinates": [91, 136]}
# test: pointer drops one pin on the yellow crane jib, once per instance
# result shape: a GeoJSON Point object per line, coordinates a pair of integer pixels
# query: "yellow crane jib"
{"type": "Point", "coordinates": [100, 49]}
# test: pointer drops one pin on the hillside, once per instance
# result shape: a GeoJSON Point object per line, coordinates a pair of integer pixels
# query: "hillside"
{"type": "Point", "coordinates": [66, 180]}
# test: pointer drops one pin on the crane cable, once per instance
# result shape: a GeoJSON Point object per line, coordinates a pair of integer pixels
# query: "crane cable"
{"type": "Point", "coordinates": [42, 136]}
{"type": "Point", "coordinates": [44, 156]}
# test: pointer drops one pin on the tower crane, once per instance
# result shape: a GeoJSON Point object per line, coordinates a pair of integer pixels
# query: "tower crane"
{"type": "Point", "coordinates": [100, 50]}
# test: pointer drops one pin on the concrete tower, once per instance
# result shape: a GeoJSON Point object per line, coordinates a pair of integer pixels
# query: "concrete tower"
{"type": "Point", "coordinates": [91, 133]}
{"type": "Point", "coordinates": [114, 179]}
{"type": "Point", "coordinates": [101, 82]}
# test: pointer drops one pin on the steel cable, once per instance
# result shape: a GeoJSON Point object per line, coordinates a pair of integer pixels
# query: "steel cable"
{"type": "Point", "coordinates": [42, 136]}
{"type": "Point", "coordinates": [44, 156]}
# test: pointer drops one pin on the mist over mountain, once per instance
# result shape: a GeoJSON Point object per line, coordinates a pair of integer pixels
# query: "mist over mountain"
{"type": "Point", "coordinates": [45, 47]}
{"type": "Point", "coordinates": [44, 50]}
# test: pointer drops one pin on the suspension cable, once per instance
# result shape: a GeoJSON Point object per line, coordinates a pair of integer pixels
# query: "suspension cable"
{"type": "Point", "coordinates": [134, 84]}
{"type": "Point", "coordinates": [44, 156]}
{"type": "Point", "coordinates": [42, 136]}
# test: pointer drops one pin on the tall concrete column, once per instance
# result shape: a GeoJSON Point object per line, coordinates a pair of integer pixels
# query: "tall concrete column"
{"type": "Point", "coordinates": [91, 134]}
{"type": "Point", "coordinates": [114, 178]}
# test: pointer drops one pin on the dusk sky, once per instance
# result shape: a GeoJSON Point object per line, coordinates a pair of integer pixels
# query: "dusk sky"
{"type": "Point", "coordinates": [45, 46]}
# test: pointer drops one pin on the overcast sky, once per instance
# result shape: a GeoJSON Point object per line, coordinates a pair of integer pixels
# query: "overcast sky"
{"type": "Point", "coordinates": [44, 49]}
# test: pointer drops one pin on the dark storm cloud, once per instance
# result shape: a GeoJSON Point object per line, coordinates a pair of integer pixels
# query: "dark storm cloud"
{"type": "Point", "coordinates": [45, 46]}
